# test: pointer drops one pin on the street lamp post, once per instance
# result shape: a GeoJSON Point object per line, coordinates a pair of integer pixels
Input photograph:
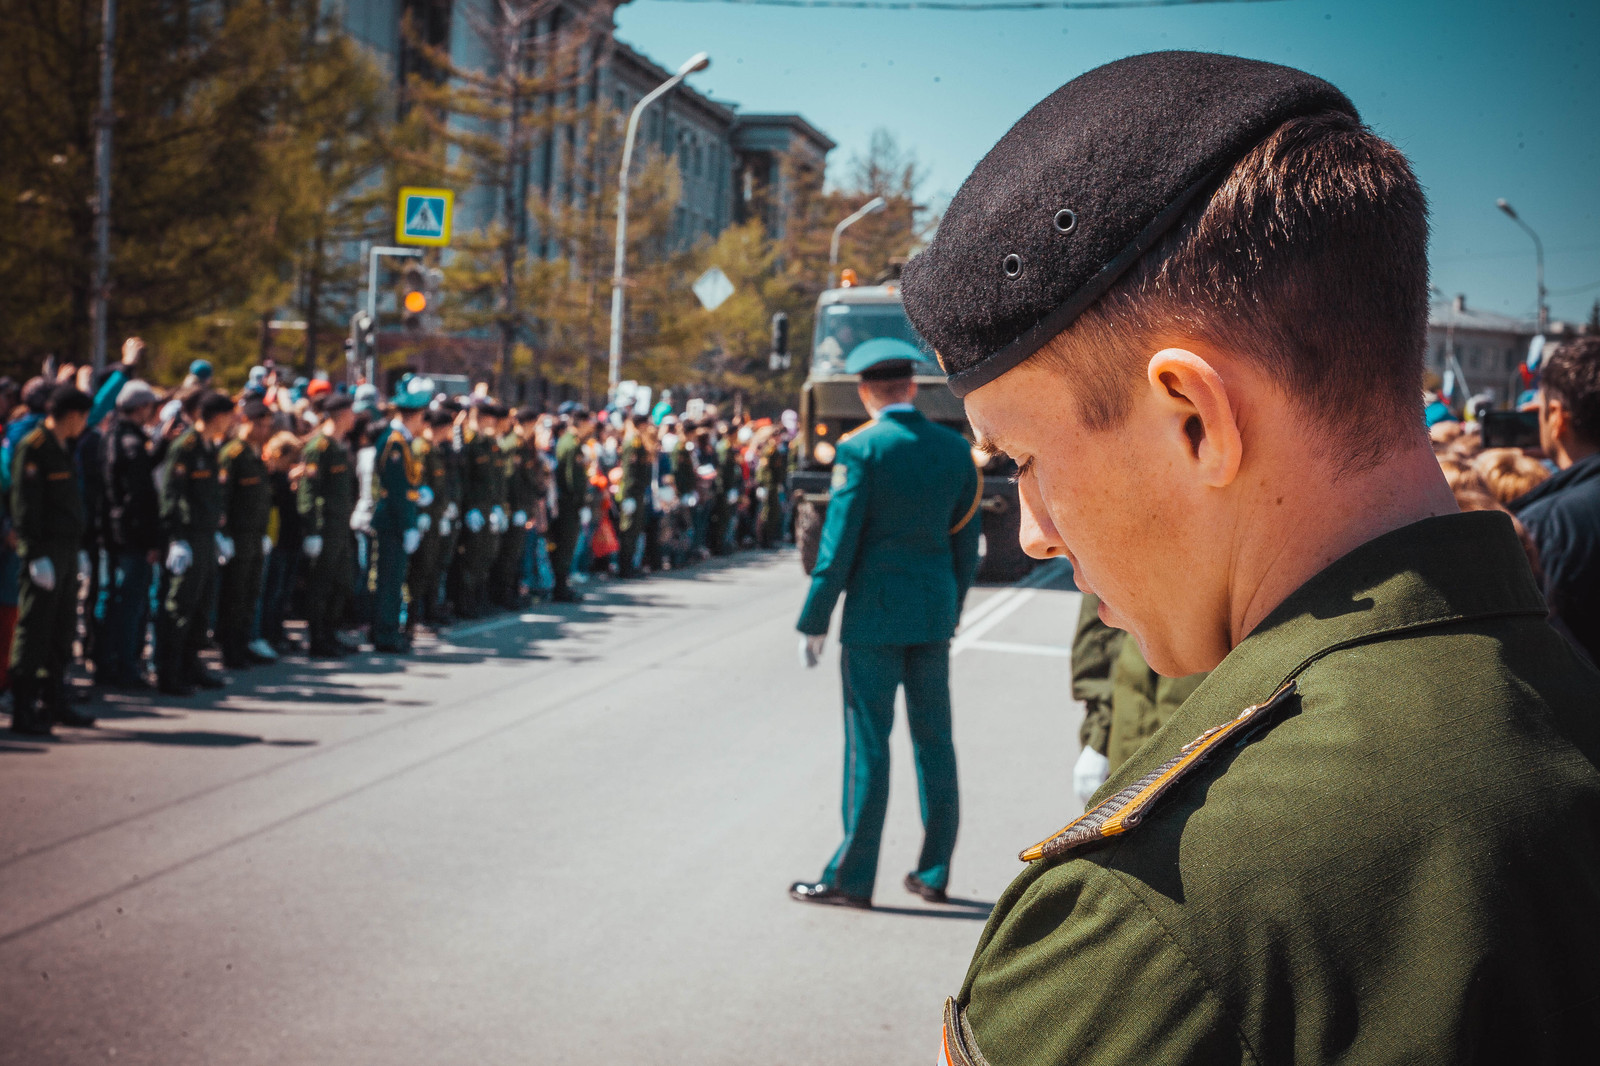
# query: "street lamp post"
{"type": "Point", "coordinates": [372, 295]}
{"type": "Point", "coordinates": [871, 207]}
{"type": "Point", "coordinates": [696, 62]}
{"type": "Point", "coordinates": [1538, 249]}
{"type": "Point", "coordinates": [100, 289]}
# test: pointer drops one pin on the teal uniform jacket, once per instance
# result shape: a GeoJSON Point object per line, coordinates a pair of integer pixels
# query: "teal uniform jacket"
{"type": "Point", "coordinates": [397, 475]}
{"type": "Point", "coordinates": [901, 537]}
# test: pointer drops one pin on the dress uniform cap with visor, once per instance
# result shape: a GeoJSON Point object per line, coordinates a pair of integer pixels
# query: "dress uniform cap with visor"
{"type": "Point", "coordinates": [883, 359]}
{"type": "Point", "coordinates": [1083, 185]}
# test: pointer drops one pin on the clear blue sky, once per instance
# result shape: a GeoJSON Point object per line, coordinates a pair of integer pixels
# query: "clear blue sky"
{"type": "Point", "coordinates": [1488, 99]}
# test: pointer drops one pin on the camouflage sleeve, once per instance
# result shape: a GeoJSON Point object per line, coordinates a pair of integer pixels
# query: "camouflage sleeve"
{"type": "Point", "coordinates": [1094, 649]}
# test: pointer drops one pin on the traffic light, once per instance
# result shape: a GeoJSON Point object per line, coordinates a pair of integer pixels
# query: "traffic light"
{"type": "Point", "coordinates": [362, 343]}
{"type": "Point", "coordinates": [414, 295]}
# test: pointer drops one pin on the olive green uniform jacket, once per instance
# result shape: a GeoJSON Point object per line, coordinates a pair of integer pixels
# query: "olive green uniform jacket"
{"type": "Point", "coordinates": [1401, 865]}
{"type": "Point", "coordinates": [47, 507]}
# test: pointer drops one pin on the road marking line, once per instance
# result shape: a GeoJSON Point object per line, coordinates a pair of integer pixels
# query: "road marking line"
{"type": "Point", "coordinates": [1051, 650]}
{"type": "Point", "coordinates": [500, 623]}
{"type": "Point", "coordinates": [971, 636]}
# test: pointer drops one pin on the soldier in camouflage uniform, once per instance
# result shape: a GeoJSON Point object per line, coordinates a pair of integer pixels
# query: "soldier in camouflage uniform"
{"type": "Point", "coordinates": [435, 451]}
{"type": "Point", "coordinates": [47, 510]}
{"type": "Point", "coordinates": [191, 515]}
{"type": "Point", "coordinates": [246, 509]}
{"type": "Point", "coordinates": [483, 505]}
{"type": "Point", "coordinates": [327, 496]}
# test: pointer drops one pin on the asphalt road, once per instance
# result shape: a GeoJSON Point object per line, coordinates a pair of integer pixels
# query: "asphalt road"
{"type": "Point", "coordinates": [560, 837]}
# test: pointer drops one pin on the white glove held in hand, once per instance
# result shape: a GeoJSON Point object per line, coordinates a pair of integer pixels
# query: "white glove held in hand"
{"type": "Point", "coordinates": [424, 523]}
{"type": "Point", "coordinates": [266, 544]}
{"type": "Point", "coordinates": [811, 649]}
{"type": "Point", "coordinates": [452, 512]}
{"type": "Point", "coordinates": [497, 519]}
{"type": "Point", "coordinates": [761, 493]}
{"type": "Point", "coordinates": [179, 557]}
{"type": "Point", "coordinates": [1089, 773]}
{"type": "Point", "coordinates": [410, 539]}
{"type": "Point", "coordinates": [629, 506]}
{"type": "Point", "coordinates": [519, 520]}
{"type": "Point", "coordinates": [224, 548]}
{"type": "Point", "coordinates": [733, 495]}
{"type": "Point", "coordinates": [475, 520]}
{"type": "Point", "coordinates": [42, 572]}
{"type": "Point", "coordinates": [424, 497]}
{"type": "Point", "coordinates": [585, 516]}
{"type": "Point", "coordinates": [312, 546]}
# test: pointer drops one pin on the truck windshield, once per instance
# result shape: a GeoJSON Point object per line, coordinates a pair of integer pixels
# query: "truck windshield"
{"type": "Point", "coordinates": [840, 327]}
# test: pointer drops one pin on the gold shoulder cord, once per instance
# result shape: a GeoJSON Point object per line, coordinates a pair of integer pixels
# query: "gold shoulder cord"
{"type": "Point", "coordinates": [977, 500]}
{"type": "Point", "coordinates": [1127, 808]}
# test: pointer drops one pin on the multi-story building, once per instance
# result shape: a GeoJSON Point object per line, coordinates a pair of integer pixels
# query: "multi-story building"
{"type": "Point", "coordinates": [1489, 347]}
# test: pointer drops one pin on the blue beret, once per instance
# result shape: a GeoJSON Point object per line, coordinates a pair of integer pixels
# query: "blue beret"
{"type": "Point", "coordinates": [882, 358]}
{"type": "Point", "coordinates": [1081, 187]}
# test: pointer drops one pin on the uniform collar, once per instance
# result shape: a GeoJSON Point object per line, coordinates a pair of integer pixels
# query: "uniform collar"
{"type": "Point", "coordinates": [1435, 572]}
{"type": "Point", "coordinates": [897, 409]}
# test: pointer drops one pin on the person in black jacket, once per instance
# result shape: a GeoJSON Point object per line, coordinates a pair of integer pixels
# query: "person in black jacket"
{"type": "Point", "coordinates": [132, 532]}
{"type": "Point", "coordinates": [1563, 512]}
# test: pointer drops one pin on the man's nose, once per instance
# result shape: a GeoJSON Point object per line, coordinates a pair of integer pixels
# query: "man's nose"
{"type": "Point", "coordinates": [1035, 530]}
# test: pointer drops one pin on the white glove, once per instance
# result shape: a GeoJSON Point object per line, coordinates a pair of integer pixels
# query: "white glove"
{"type": "Point", "coordinates": [1089, 773]}
{"type": "Point", "coordinates": [475, 520]}
{"type": "Point", "coordinates": [179, 557]}
{"type": "Point", "coordinates": [519, 520]}
{"type": "Point", "coordinates": [224, 547]}
{"type": "Point", "coordinates": [691, 499]}
{"type": "Point", "coordinates": [811, 649]}
{"type": "Point", "coordinates": [266, 544]}
{"type": "Point", "coordinates": [424, 523]}
{"type": "Point", "coordinates": [585, 516]}
{"type": "Point", "coordinates": [445, 527]}
{"type": "Point", "coordinates": [312, 546]}
{"type": "Point", "coordinates": [42, 572]}
{"type": "Point", "coordinates": [629, 506]}
{"type": "Point", "coordinates": [361, 520]}
{"type": "Point", "coordinates": [452, 512]}
{"type": "Point", "coordinates": [84, 564]}
{"type": "Point", "coordinates": [497, 519]}
{"type": "Point", "coordinates": [424, 497]}
{"type": "Point", "coordinates": [733, 495]}
{"type": "Point", "coordinates": [410, 539]}
{"type": "Point", "coordinates": [761, 493]}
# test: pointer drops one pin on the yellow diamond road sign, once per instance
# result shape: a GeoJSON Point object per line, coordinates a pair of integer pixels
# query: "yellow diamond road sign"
{"type": "Point", "coordinates": [424, 216]}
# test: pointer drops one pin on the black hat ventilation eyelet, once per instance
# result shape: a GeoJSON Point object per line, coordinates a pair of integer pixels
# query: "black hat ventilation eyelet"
{"type": "Point", "coordinates": [1012, 265]}
{"type": "Point", "coordinates": [1066, 220]}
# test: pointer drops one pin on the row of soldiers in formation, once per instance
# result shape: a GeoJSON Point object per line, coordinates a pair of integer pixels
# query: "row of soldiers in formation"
{"type": "Point", "coordinates": [433, 509]}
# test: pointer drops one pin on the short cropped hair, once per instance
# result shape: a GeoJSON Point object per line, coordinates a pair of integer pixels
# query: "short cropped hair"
{"type": "Point", "coordinates": [1309, 261]}
{"type": "Point", "coordinates": [69, 400]}
{"type": "Point", "coordinates": [1572, 374]}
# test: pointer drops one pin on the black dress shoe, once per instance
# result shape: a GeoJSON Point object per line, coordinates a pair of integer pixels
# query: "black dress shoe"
{"type": "Point", "coordinates": [820, 892]}
{"type": "Point", "coordinates": [175, 688]}
{"type": "Point", "coordinates": [918, 887]}
{"type": "Point", "coordinates": [206, 679]}
{"type": "Point", "coordinates": [567, 596]}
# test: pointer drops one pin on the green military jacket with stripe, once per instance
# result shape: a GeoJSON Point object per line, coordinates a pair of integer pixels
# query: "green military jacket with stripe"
{"type": "Point", "coordinates": [900, 540]}
{"type": "Point", "coordinates": [1398, 861]}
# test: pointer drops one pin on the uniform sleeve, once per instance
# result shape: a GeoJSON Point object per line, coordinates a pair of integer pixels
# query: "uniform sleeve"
{"type": "Point", "coordinates": [1094, 649]}
{"type": "Point", "coordinates": [27, 503]}
{"type": "Point", "coordinates": [1078, 971]}
{"type": "Point", "coordinates": [968, 526]}
{"type": "Point", "coordinates": [309, 496]}
{"type": "Point", "coordinates": [175, 508]}
{"type": "Point", "coordinates": [841, 542]}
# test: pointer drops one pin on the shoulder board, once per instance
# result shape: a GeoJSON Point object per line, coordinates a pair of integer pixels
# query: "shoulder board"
{"type": "Point", "coordinates": [232, 448]}
{"type": "Point", "coordinates": [1127, 809]}
{"type": "Point", "coordinates": [862, 428]}
{"type": "Point", "coordinates": [35, 435]}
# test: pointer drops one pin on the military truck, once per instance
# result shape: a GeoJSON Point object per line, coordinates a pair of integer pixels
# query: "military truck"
{"type": "Point", "coordinates": [830, 408]}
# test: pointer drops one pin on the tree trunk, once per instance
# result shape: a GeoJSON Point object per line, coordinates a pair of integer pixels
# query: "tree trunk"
{"type": "Point", "coordinates": [313, 307]}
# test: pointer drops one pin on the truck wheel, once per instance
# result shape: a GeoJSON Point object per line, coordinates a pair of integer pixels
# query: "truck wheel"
{"type": "Point", "coordinates": [808, 518]}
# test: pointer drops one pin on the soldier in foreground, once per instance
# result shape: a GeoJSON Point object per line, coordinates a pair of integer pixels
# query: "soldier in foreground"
{"type": "Point", "coordinates": [48, 511]}
{"type": "Point", "coordinates": [1187, 294]}
{"type": "Point", "coordinates": [901, 543]}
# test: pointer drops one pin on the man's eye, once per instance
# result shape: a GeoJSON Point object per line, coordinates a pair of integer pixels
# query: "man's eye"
{"type": "Point", "coordinates": [1024, 468]}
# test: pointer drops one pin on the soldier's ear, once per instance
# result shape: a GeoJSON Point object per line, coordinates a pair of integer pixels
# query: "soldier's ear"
{"type": "Point", "coordinates": [1193, 400]}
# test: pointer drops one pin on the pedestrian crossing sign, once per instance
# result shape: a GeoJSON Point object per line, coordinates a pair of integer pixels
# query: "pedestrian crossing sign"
{"type": "Point", "coordinates": [424, 216]}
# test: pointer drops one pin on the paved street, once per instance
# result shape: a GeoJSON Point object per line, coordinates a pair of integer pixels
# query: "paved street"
{"type": "Point", "coordinates": [564, 837]}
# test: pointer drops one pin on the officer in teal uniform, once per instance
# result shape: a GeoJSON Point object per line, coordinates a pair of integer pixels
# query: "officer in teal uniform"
{"type": "Point", "coordinates": [397, 508]}
{"type": "Point", "coordinates": [901, 543]}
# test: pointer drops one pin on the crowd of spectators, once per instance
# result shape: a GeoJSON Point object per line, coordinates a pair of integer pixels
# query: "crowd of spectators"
{"type": "Point", "coordinates": [1552, 490]}
{"type": "Point", "coordinates": [141, 526]}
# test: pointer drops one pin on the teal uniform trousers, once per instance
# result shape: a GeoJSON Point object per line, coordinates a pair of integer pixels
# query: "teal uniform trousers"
{"type": "Point", "coordinates": [900, 543]}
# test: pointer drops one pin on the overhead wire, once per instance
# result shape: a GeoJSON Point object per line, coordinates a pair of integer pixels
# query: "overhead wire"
{"type": "Point", "coordinates": [977, 5]}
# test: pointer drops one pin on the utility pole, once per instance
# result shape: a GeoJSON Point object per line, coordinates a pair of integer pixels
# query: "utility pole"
{"type": "Point", "coordinates": [99, 292]}
{"type": "Point", "coordinates": [1538, 251]}
{"type": "Point", "coordinates": [698, 61]}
